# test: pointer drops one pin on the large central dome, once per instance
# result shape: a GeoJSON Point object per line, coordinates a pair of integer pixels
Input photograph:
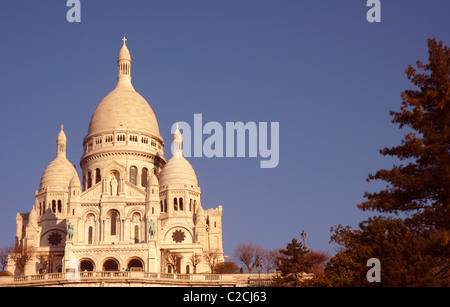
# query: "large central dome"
{"type": "Point", "coordinates": [123, 137]}
{"type": "Point", "coordinates": [124, 108]}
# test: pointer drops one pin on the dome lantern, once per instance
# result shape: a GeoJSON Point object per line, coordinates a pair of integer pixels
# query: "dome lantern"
{"type": "Point", "coordinates": [124, 65]}
{"type": "Point", "coordinates": [61, 142]}
{"type": "Point", "coordinates": [177, 141]}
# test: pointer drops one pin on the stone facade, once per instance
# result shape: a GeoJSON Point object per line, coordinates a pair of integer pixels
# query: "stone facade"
{"type": "Point", "coordinates": [131, 210]}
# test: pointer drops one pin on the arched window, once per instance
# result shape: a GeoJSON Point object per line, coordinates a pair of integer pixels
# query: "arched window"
{"type": "Point", "coordinates": [90, 235]}
{"type": "Point", "coordinates": [190, 204]}
{"type": "Point", "coordinates": [133, 175]}
{"type": "Point", "coordinates": [54, 206]}
{"type": "Point", "coordinates": [98, 177]}
{"type": "Point", "coordinates": [136, 234]}
{"type": "Point", "coordinates": [144, 176]}
{"type": "Point", "coordinates": [162, 207]}
{"type": "Point", "coordinates": [59, 206]}
{"type": "Point", "coordinates": [165, 205]}
{"type": "Point", "coordinates": [181, 203]}
{"type": "Point", "coordinates": [175, 204]}
{"type": "Point", "coordinates": [114, 223]}
{"type": "Point", "coordinates": [89, 180]}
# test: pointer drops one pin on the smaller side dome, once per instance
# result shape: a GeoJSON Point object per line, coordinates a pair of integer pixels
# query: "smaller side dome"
{"type": "Point", "coordinates": [178, 171]}
{"type": "Point", "coordinates": [60, 171]}
{"type": "Point", "coordinates": [58, 174]}
{"type": "Point", "coordinates": [75, 181]}
{"type": "Point", "coordinates": [33, 214]}
{"type": "Point", "coordinates": [153, 180]}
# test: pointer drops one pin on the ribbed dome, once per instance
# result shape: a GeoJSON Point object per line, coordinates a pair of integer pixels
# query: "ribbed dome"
{"type": "Point", "coordinates": [58, 174]}
{"type": "Point", "coordinates": [123, 108]}
{"type": "Point", "coordinates": [178, 171]}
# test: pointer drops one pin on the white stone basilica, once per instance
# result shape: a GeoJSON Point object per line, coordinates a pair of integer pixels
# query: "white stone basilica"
{"type": "Point", "coordinates": [130, 211]}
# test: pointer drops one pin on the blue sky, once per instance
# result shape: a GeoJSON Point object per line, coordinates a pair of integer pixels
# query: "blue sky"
{"type": "Point", "coordinates": [319, 68]}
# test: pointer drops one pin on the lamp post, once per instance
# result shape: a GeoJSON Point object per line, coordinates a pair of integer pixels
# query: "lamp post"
{"type": "Point", "coordinates": [304, 236]}
{"type": "Point", "coordinates": [258, 268]}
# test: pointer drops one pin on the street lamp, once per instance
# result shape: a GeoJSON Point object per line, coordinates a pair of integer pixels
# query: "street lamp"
{"type": "Point", "coordinates": [303, 236]}
{"type": "Point", "coordinates": [258, 268]}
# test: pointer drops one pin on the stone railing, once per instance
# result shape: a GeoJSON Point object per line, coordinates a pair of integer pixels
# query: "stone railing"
{"type": "Point", "coordinates": [138, 278]}
{"type": "Point", "coordinates": [125, 277]}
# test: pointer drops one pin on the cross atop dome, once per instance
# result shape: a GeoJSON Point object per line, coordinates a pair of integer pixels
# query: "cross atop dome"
{"type": "Point", "coordinates": [124, 39]}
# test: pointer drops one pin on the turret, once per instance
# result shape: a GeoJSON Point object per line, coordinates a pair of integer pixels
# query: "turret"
{"type": "Point", "coordinates": [153, 200]}
{"type": "Point", "coordinates": [124, 65]}
{"type": "Point", "coordinates": [61, 142]}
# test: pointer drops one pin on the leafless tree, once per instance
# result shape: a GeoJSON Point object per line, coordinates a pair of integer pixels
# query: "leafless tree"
{"type": "Point", "coordinates": [4, 252]}
{"type": "Point", "coordinates": [194, 260]}
{"type": "Point", "coordinates": [21, 256]}
{"type": "Point", "coordinates": [212, 258]}
{"type": "Point", "coordinates": [270, 259]}
{"type": "Point", "coordinates": [172, 259]}
{"type": "Point", "coordinates": [44, 261]}
{"type": "Point", "coordinates": [249, 255]}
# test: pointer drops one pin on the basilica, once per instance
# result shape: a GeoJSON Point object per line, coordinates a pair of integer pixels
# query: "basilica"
{"type": "Point", "coordinates": [128, 208]}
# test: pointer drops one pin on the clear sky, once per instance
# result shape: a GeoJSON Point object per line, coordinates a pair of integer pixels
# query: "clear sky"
{"type": "Point", "coordinates": [319, 68]}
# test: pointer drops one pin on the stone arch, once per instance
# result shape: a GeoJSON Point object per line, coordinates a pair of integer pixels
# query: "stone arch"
{"type": "Point", "coordinates": [90, 212]}
{"type": "Point", "coordinates": [87, 264]}
{"type": "Point", "coordinates": [110, 264]}
{"type": "Point", "coordinates": [135, 262]}
{"type": "Point", "coordinates": [135, 210]}
{"type": "Point", "coordinates": [137, 225]}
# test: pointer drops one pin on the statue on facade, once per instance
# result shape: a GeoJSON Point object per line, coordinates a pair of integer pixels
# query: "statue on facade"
{"type": "Point", "coordinates": [70, 231]}
{"type": "Point", "coordinates": [152, 229]}
{"type": "Point", "coordinates": [114, 186]}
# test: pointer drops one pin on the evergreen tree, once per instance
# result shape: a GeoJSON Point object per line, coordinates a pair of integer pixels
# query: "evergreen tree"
{"type": "Point", "coordinates": [414, 247]}
{"type": "Point", "coordinates": [421, 188]}
{"type": "Point", "coordinates": [293, 264]}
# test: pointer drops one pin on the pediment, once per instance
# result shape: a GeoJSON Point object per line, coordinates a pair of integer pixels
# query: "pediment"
{"type": "Point", "coordinates": [115, 166]}
{"type": "Point", "coordinates": [95, 192]}
{"type": "Point", "coordinates": [134, 191]}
